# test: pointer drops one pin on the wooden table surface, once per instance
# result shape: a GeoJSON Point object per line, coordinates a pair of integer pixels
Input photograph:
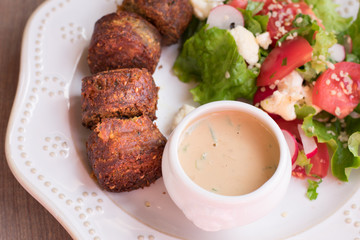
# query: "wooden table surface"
{"type": "Point", "coordinates": [21, 216]}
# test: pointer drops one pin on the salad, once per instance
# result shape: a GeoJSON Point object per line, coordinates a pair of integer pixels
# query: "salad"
{"type": "Point", "coordinates": [298, 60]}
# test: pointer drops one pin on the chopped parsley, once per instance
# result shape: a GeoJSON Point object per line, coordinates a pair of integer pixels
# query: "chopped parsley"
{"type": "Point", "coordinates": [311, 192]}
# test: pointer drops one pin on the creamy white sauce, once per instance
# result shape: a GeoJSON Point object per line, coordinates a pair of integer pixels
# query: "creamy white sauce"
{"type": "Point", "coordinates": [228, 153]}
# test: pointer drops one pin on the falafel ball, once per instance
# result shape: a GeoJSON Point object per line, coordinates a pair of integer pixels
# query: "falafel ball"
{"type": "Point", "coordinates": [170, 17]}
{"type": "Point", "coordinates": [120, 93]}
{"type": "Point", "coordinates": [125, 154]}
{"type": "Point", "coordinates": [124, 40]}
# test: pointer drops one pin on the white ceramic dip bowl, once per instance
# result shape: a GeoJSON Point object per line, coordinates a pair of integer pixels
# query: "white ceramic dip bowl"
{"type": "Point", "coordinates": [211, 211]}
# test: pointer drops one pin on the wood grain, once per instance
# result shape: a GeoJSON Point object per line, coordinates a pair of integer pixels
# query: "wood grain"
{"type": "Point", "coordinates": [21, 216]}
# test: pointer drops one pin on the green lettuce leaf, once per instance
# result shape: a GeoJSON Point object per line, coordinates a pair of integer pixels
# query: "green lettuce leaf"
{"type": "Point", "coordinates": [254, 6]}
{"type": "Point", "coordinates": [255, 24]}
{"type": "Point", "coordinates": [354, 143]}
{"type": "Point", "coordinates": [194, 26]}
{"type": "Point", "coordinates": [312, 187]}
{"type": "Point", "coordinates": [326, 11]}
{"type": "Point", "coordinates": [211, 59]}
{"type": "Point", "coordinates": [354, 33]}
{"type": "Point", "coordinates": [338, 135]}
{"type": "Point", "coordinates": [307, 72]}
{"type": "Point", "coordinates": [304, 111]}
{"type": "Point", "coordinates": [352, 58]}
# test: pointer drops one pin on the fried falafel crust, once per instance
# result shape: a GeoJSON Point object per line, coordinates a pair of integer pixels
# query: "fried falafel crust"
{"type": "Point", "coordinates": [125, 154]}
{"type": "Point", "coordinates": [121, 93]}
{"type": "Point", "coordinates": [170, 17]}
{"type": "Point", "coordinates": [124, 40]}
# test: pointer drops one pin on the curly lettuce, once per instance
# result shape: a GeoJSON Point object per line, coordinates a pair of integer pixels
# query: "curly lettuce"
{"type": "Point", "coordinates": [326, 11]}
{"type": "Point", "coordinates": [211, 59]}
{"type": "Point", "coordinates": [324, 40]}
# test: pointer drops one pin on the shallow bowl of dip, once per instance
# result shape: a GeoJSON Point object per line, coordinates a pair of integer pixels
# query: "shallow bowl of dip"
{"type": "Point", "coordinates": [226, 164]}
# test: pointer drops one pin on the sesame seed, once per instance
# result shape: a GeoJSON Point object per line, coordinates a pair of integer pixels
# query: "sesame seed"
{"type": "Point", "coordinates": [337, 111]}
{"type": "Point", "coordinates": [330, 65]}
{"type": "Point", "coordinates": [299, 20]}
{"type": "Point", "coordinates": [282, 30]}
{"type": "Point", "coordinates": [349, 88]}
{"type": "Point", "coordinates": [343, 136]}
{"type": "Point", "coordinates": [322, 57]}
{"type": "Point", "coordinates": [227, 75]}
{"type": "Point", "coordinates": [311, 129]}
{"type": "Point", "coordinates": [335, 77]}
{"type": "Point", "coordinates": [328, 82]}
{"type": "Point", "coordinates": [342, 85]}
{"type": "Point", "coordinates": [333, 92]}
{"type": "Point", "coordinates": [330, 132]}
{"type": "Point", "coordinates": [262, 89]}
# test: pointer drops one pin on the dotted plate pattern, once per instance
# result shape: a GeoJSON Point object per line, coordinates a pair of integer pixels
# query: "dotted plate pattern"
{"type": "Point", "coordinates": [45, 147]}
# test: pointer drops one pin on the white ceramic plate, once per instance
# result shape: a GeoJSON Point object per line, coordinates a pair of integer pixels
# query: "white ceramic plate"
{"type": "Point", "coordinates": [45, 147]}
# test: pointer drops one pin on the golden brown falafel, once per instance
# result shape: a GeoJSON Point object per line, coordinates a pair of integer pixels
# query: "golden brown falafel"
{"type": "Point", "coordinates": [170, 17]}
{"type": "Point", "coordinates": [125, 154]}
{"type": "Point", "coordinates": [121, 93]}
{"type": "Point", "coordinates": [124, 40]}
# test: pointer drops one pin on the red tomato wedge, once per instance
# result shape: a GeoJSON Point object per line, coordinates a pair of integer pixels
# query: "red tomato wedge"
{"type": "Point", "coordinates": [238, 3]}
{"type": "Point", "coordinates": [337, 90]}
{"type": "Point", "coordinates": [283, 60]}
{"type": "Point", "coordinates": [282, 14]}
{"type": "Point", "coordinates": [320, 161]}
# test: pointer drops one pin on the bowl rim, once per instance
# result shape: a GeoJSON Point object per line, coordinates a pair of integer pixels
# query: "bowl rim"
{"type": "Point", "coordinates": [222, 106]}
